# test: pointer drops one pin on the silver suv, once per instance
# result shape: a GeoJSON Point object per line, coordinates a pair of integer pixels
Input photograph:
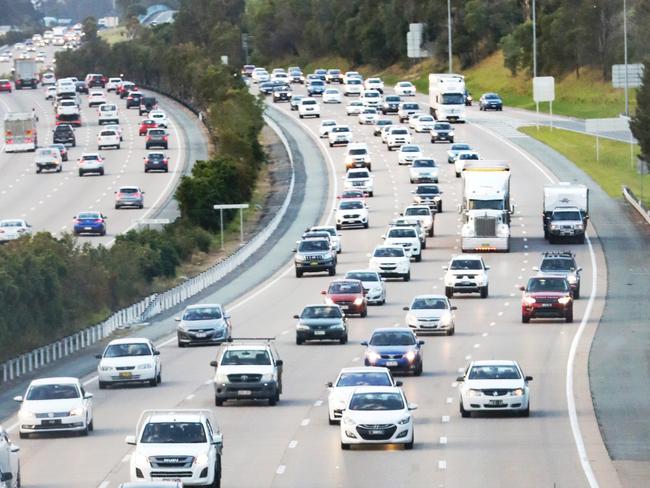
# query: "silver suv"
{"type": "Point", "coordinates": [561, 263]}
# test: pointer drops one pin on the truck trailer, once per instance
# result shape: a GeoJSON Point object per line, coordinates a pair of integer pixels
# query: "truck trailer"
{"type": "Point", "coordinates": [26, 74]}
{"type": "Point", "coordinates": [20, 132]}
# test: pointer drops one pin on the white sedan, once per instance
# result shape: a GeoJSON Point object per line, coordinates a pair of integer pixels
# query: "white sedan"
{"type": "Point", "coordinates": [373, 285]}
{"type": "Point", "coordinates": [339, 134]}
{"type": "Point", "coordinates": [374, 84]}
{"type": "Point", "coordinates": [408, 153]}
{"type": "Point", "coordinates": [405, 89]}
{"type": "Point", "coordinates": [108, 138]}
{"type": "Point", "coordinates": [424, 123]}
{"type": "Point", "coordinates": [430, 313]}
{"type": "Point", "coordinates": [9, 462]}
{"type": "Point", "coordinates": [96, 98]}
{"type": "Point", "coordinates": [368, 116]}
{"type": "Point", "coordinates": [325, 126]}
{"type": "Point", "coordinates": [332, 95]}
{"type": "Point", "coordinates": [461, 158]}
{"type": "Point", "coordinates": [354, 108]}
{"type": "Point", "coordinates": [377, 415]}
{"type": "Point", "coordinates": [55, 405]}
{"type": "Point", "coordinates": [494, 386]}
{"type": "Point", "coordinates": [132, 360]}
{"type": "Point", "coordinates": [12, 229]}
{"type": "Point", "coordinates": [351, 378]}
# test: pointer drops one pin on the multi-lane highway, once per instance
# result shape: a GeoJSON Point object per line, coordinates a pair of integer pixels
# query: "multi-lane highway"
{"type": "Point", "coordinates": [49, 201]}
{"type": "Point", "coordinates": [292, 444]}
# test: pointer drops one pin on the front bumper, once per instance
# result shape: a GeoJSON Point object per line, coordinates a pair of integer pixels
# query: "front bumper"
{"type": "Point", "coordinates": [60, 424]}
{"type": "Point", "coordinates": [189, 476]}
{"type": "Point", "coordinates": [393, 434]}
{"type": "Point", "coordinates": [442, 136]}
{"type": "Point", "coordinates": [201, 337]}
{"type": "Point", "coordinates": [430, 326]}
{"type": "Point", "coordinates": [328, 334]}
{"type": "Point", "coordinates": [485, 244]}
{"type": "Point", "coordinates": [399, 365]}
{"type": "Point", "coordinates": [131, 376]}
{"type": "Point", "coordinates": [494, 403]}
{"type": "Point", "coordinates": [351, 221]}
{"type": "Point", "coordinates": [244, 391]}
{"type": "Point", "coordinates": [545, 310]}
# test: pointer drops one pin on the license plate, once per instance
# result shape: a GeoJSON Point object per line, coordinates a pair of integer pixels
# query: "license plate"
{"type": "Point", "coordinates": [314, 263]}
{"type": "Point", "coordinates": [125, 374]}
{"type": "Point", "coordinates": [88, 228]}
{"type": "Point", "coordinates": [547, 304]}
{"type": "Point", "coordinates": [200, 334]}
{"type": "Point", "coordinates": [377, 432]}
{"type": "Point", "coordinates": [495, 402]}
{"type": "Point", "coordinates": [173, 480]}
{"type": "Point", "coordinates": [464, 283]}
{"type": "Point", "coordinates": [391, 363]}
{"type": "Point", "coordinates": [319, 332]}
{"type": "Point", "coordinates": [244, 392]}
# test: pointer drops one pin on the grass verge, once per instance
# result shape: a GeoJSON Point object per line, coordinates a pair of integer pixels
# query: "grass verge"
{"type": "Point", "coordinates": [113, 35]}
{"type": "Point", "coordinates": [614, 168]}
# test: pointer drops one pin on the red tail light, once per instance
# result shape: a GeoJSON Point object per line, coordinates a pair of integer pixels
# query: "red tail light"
{"type": "Point", "coordinates": [99, 221]}
{"type": "Point", "coordinates": [165, 138]}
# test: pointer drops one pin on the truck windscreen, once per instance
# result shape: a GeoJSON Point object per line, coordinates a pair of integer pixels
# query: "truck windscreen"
{"type": "Point", "coordinates": [453, 99]}
{"type": "Point", "coordinates": [486, 204]}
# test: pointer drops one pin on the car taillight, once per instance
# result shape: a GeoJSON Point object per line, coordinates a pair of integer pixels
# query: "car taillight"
{"type": "Point", "coordinates": [99, 221]}
{"type": "Point", "coordinates": [148, 138]}
{"type": "Point", "coordinates": [165, 138]}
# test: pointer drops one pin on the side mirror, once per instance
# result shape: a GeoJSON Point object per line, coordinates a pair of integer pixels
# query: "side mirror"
{"type": "Point", "coordinates": [217, 439]}
{"type": "Point", "coordinates": [528, 378]}
{"type": "Point", "coordinates": [412, 406]}
{"type": "Point", "coordinates": [130, 439]}
{"type": "Point", "coordinates": [156, 353]}
{"type": "Point", "coordinates": [487, 268]}
{"type": "Point", "coordinates": [420, 343]}
{"type": "Point", "coordinates": [294, 250]}
{"type": "Point", "coordinates": [177, 319]}
{"type": "Point", "coordinates": [368, 255]}
{"type": "Point", "coordinates": [364, 343]}
{"type": "Point", "coordinates": [296, 316]}
{"type": "Point", "coordinates": [413, 192]}
{"type": "Point", "coordinates": [445, 268]}
{"type": "Point", "coordinates": [460, 378]}
{"type": "Point", "coordinates": [522, 288]}
{"type": "Point", "coordinates": [14, 448]}
{"type": "Point", "coordinates": [323, 292]}
{"type": "Point", "coordinates": [579, 269]}
{"type": "Point", "coordinates": [214, 364]}
{"type": "Point", "coordinates": [279, 362]}
{"type": "Point", "coordinates": [88, 396]}
{"type": "Point", "coordinates": [98, 356]}
{"type": "Point", "coordinates": [329, 384]}
{"type": "Point", "coordinates": [399, 383]}
{"type": "Point", "coordinates": [18, 399]}
{"type": "Point", "coordinates": [454, 307]}
{"type": "Point", "coordinates": [406, 309]}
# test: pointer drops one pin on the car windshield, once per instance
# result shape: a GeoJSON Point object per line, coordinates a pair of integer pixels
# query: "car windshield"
{"type": "Point", "coordinates": [321, 312]}
{"type": "Point", "coordinates": [466, 264]}
{"type": "Point", "coordinates": [399, 131]}
{"type": "Point", "coordinates": [354, 81]}
{"type": "Point", "coordinates": [376, 401]}
{"type": "Point", "coordinates": [362, 276]}
{"type": "Point", "coordinates": [453, 99]}
{"type": "Point", "coordinates": [557, 264]}
{"type": "Point", "coordinates": [11, 223]}
{"type": "Point", "coordinates": [156, 132]}
{"type": "Point", "coordinates": [411, 106]}
{"type": "Point", "coordinates": [424, 163]}
{"type": "Point", "coordinates": [356, 152]}
{"type": "Point", "coordinates": [384, 122]}
{"type": "Point", "coordinates": [202, 313]}
{"type": "Point", "coordinates": [341, 129]}
{"type": "Point", "coordinates": [567, 216]}
{"type": "Point", "coordinates": [371, 95]}
{"type": "Point", "coordinates": [317, 83]}
{"type": "Point", "coordinates": [392, 99]}
{"type": "Point", "coordinates": [332, 92]}
{"type": "Point", "coordinates": [344, 287]}
{"type": "Point", "coordinates": [389, 252]}
{"type": "Point", "coordinates": [358, 174]}
{"type": "Point", "coordinates": [314, 246]}
{"type": "Point", "coordinates": [404, 84]}
{"type": "Point", "coordinates": [364, 379]}
{"type": "Point", "coordinates": [547, 284]}
{"type": "Point", "coordinates": [460, 147]}
{"type": "Point", "coordinates": [402, 232]}
{"type": "Point", "coordinates": [442, 126]}
{"type": "Point", "coordinates": [425, 118]}
{"type": "Point", "coordinates": [173, 433]}
{"type": "Point", "coordinates": [52, 392]}
{"type": "Point", "coordinates": [427, 189]}
{"type": "Point", "coordinates": [250, 357]}
{"type": "Point", "coordinates": [124, 350]}
{"type": "Point", "coordinates": [494, 372]}
{"type": "Point", "coordinates": [410, 149]}
{"type": "Point", "coordinates": [89, 216]}
{"type": "Point", "coordinates": [492, 96]}
{"type": "Point", "coordinates": [429, 303]}
{"type": "Point", "coordinates": [350, 205]}
{"type": "Point", "coordinates": [417, 211]}
{"type": "Point", "coordinates": [393, 338]}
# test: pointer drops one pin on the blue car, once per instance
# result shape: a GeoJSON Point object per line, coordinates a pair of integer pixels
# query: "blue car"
{"type": "Point", "coordinates": [89, 223]}
{"type": "Point", "coordinates": [490, 101]}
{"type": "Point", "coordinates": [316, 87]}
{"type": "Point", "coordinates": [397, 349]}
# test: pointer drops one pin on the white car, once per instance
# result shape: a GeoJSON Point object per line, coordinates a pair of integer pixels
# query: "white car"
{"type": "Point", "coordinates": [340, 134]}
{"type": "Point", "coordinates": [55, 405]}
{"type": "Point", "coordinates": [413, 118]}
{"type": "Point", "coordinates": [379, 125]}
{"type": "Point", "coordinates": [332, 95]}
{"type": "Point", "coordinates": [371, 98]}
{"type": "Point", "coordinates": [117, 128]}
{"type": "Point", "coordinates": [9, 462]}
{"type": "Point", "coordinates": [350, 378]}
{"type": "Point", "coordinates": [455, 149]}
{"type": "Point", "coordinates": [424, 123]}
{"type": "Point", "coordinates": [67, 107]}
{"type": "Point", "coordinates": [377, 415]}
{"type": "Point", "coordinates": [171, 443]}
{"type": "Point", "coordinates": [406, 237]}
{"type": "Point", "coordinates": [368, 116]}
{"type": "Point", "coordinates": [373, 285]}
{"type": "Point", "coordinates": [430, 313]}
{"type": "Point", "coordinates": [466, 273]}
{"type": "Point", "coordinates": [349, 75]}
{"type": "Point", "coordinates": [280, 77]}
{"type": "Point", "coordinates": [408, 153]}
{"type": "Point", "coordinates": [159, 117]}
{"type": "Point", "coordinates": [50, 92]}
{"type": "Point", "coordinates": [397, 136]}
{"type": "Point", "coordinates": [353, 86]}
{"type": "Point", "coordinates": [374, 84]}
{"type": "Point", "coordinates": [112, 83]}
{"type": "Point", "coordinates": [108, 114]}
{"type": "Point", "coordinates": [12, 229]}
{"type": "Point", "coordinates": [391, 262]}
{"type": "Point", "coordinates": [90, 163]}
{"type": "Point", "coordinates": [359, 179]}
{"type": "Point", "coordinates": [260, 75]}
{"type": "Point", "coordinates": [108, 138]}
{"type": "Point", "coordinates": [96, 98]}
{"type": "Point", "coordinates": [335, 237]}
{"type": "Point", "coordinates": [494, 386]}
{"type": "Point", "coordinates": [461, 158]}
{"type": "Point", "coordinates": [351, 213]}
{"type": "Point", "coordinates": [308, 107]}
{"type": "Point", "coordinates": [354, 108]}
{"type": "Point", "coordinates": [48, 79]}
{"type": "Point", "coordinates": [424, 170]}
{"type": "Point", "coordinates": [405, 89]}
{"type": "Point", "coordinates": [358, 156]}
{"type": "Point", "coordinates": [421, 213]}
{"type": "Point", "coordinates": [130, 360]}
{"type": "Point", "coordinates": [325, 126]}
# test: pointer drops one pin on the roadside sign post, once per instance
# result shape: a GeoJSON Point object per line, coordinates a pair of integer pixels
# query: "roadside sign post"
{"type": "Point", "coordinates": [627, 76]}
{"type": "Point", "coordinates": [232, 206]}
{"type": "Point", "coordinates": [544, 91]}
{"type": "Point", "coordinates": [613, 124]}
{"type": "Point", "coordinates": [143, 222]}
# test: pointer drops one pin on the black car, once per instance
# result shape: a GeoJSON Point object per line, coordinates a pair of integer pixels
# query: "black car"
{"type": "Point", "coordinates": [321, 322]}
{"type": "Point", "coordinates": [157, 138]}
{"type": "Point", "coordinates": [64, 134]}
{"type": "Point", "coordinates": [390, 104]}
{"type": "Point", "coordinates": [266, 88]}
{"type": "Point", "coordinates": [442, 131]}
{"type": "Point", "coordinates": [147, 104]}
{"type": "Point", "coordinates": [81, 87]}
{"type": "Point", "coordinates": [156, 162]}
{"type": "Point", "coordinates": [429, 195]}
{"type": "Point", "coordinates": [133, 100]}
{"type": "Point", "coordinates": [281, 93]}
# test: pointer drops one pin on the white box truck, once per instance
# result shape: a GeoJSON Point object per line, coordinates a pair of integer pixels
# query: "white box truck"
{"type": "Point", "coordinates": [565, 212]}
{"type": "Point", "coordinates": [25, 74]}
{"type": "Point", "coordinates": [20, 132]}
{"type": "Point", "coordinates": [486, 207]}
{"type": "Point", "coordinates": [447, 96]}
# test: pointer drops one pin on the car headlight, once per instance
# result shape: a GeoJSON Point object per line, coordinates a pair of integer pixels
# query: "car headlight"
{"type": "Point", "coordinates": [348, 421]}
{"type": "Point", "coordinates": [372, 356]}
{"type": "Point", "coordinates": [451, 133]}
{"type": "Point", "coordinates": [141, 460]}
{"type": "Point", "coordinates": [572, 279]}
{"type": "Point", "coordinates": [145, 366]}
{"type": "Point", "coordinates": [201, 459]}
{"type": "Point", "coordinates": [302, 327]}
{"type": "Point", "coordinates": [555, 226]}
{"type": "Point", "coordinates": [405, 420]}
{"type": "Point", "coordinates": [105, 368]}
{"type": "Point", "coordinates": [410, 356]}
{"type": "Point", "coordinates": [475, 393]}
{"type": "Point", "coordinates": [518, 392]}
{"type": "Point", "coordinates": [564, 300]}
{"type": "Point", "coordinates": [445, 319]}
{"type": "Point", "coordinates": [529, 300]}
{"type": "Point", "coordinates": [221, 378]}
{"type": "Point", "coordinates": [26, 415]}
{"type": "Point", "coordinates": [358, 301]}
{"type": "Point", "coordinates": [76, 412]}
{"type": "Point", "coordinates": [578, 226]}
{"type": "Point", "coordinates": [267, 377]}
{"type": "Point", "coordinates": [375, 291]}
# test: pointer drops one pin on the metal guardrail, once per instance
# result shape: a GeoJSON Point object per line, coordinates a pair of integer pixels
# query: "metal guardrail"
{"type": "Point", "coordinates": [153, 304]}
{"type": "Point", "coordinates": [636, 203]}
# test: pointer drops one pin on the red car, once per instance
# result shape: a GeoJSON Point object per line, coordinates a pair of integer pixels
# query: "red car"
{"type": "Point", "coordinates": [5, 85]}
{"type": "Point", "coordinates": [347, 294]}
{"type": "Point", "coordinates": [353, 194]}
{"type": "Point", "coordinates": [547, 297]}
{"type": "Point", "coordinates": [145, 125]}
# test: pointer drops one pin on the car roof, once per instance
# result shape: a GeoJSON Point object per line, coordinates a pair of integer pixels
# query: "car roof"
{"type": "Point", "coordinates": [378, 389]}
{"type": "Point", "coordinates": [130, 340]}
{"type": "Point", "coordinates": [392, 329]}
{"type": "Point", "coordinates": [441, 297]}
{"type": "Point", "coordinates": [65, 380]}
{"type": "Point", "coordinates": [364, 369]}
{"type": "Point", "coordinates": [203, 305]}
{"type": "Point", "coordinates": [492, 362]}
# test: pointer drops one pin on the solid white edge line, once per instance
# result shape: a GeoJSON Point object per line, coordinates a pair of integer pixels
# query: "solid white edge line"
{"type": "Point", "coordinates": [104, 484]}
{"type": "Point", "coordinates": [570, 396]}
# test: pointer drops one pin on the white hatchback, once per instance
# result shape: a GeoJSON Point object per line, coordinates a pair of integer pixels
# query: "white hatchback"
{"type": "Point", "coordinates": [160, 117]}
{"type": "Point", "coordinates": [12, 229]}
{"type": "Point", "coordinates": [96, 97]}
{"type": "Point", "coordinates": [332, 95]}
{"type": "Point", "coordinates": [368, 116]}
{"type": "Point", "coordinates": [354, 108]}
{"type": "Point", "coordinates": [390, 262]}
{"type": "Point", "coordinates": [108, 138]}
{"type": "Point", "coordinates": [408, 153]}
{"type": "Point", "coordinates": [130, 360]}
{"type": "Point", "coordinates": [405, 89]}
{"type": "Point", "coordinates": [350, 378]}
{"type": "Point", "coordinates": [108, 114]}
{"type": "Point", "coordinates": [308, 107]}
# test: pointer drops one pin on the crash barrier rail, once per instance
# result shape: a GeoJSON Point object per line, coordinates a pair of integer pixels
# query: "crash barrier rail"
{"type": "Point", "coordinates": [154, 304]}
{"type": "Point", "coordinates": [636, 203]}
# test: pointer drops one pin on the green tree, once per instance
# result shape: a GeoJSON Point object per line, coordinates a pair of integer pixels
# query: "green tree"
{"type": "Point", "coordinates": [90, 29]}
{"type": "Point", "coordinates": [640, 124]}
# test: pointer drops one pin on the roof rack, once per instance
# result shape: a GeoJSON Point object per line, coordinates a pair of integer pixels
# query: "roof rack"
{"type": "Point", "coordinates": [559, 254]}
{"type": "Point", "coordinates": [237, 339]}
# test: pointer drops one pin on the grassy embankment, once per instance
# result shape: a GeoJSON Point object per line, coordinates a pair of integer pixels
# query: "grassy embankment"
{"type": "Point", "coordinates": [113, 34]}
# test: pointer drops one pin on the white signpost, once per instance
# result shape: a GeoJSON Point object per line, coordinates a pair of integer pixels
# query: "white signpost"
{"type": "Point", "coordinates": [233, 206]}
{"type": "Point", "coordinates": [634, 75]}
{"type": "Point", "coordinates": [544, 91]}
{"type": "Point", "coordinates": [612, 124]}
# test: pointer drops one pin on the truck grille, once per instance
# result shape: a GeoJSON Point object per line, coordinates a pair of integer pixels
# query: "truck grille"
{"type": "Point", "coordinates": [244, 378]}
{"type": "Point", "coordinates": [485, 226]}
{"type": "Point", "coordinates": [171, 462]}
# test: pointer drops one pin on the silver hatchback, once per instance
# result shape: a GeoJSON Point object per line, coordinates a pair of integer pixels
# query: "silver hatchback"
{"type": "Point", "coordinates": [129, 196]}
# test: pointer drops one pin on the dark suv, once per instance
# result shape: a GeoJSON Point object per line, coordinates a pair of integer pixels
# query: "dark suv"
{"type": "Point", "coordinates": [133, 100]}
{"type": "Point", "coordinates": [147, 104]}
{"type": "Point", "coordinates": [63, 134]}
{"type": "Point", "coordinates": [157, 138]}
{"type": "Point", "coordinates": [281, 93]}
{"type": "Point", "coordinates": [95, 80]}
{"type": "Point", "coordinates": [313, 256]}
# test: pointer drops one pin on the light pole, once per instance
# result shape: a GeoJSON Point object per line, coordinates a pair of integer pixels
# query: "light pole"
{"type": "Point", "coordinates": [627, 100]}
{"type": "Point", "coordinates": [449, 35]}
{"type": "Point", "coordinates": [534, 18]}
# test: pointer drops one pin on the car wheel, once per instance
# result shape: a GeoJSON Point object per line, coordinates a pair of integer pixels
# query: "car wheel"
{"type": "Point", "coordinates": [451, 140]}
{"type": "Point", "coordinates": [457, 174]}
{"type": "Point", "coordinates": [484, 291]}
{"type": "Point", "coordinates": [180, 343]}
{"type": "Point", "coordinates": [569, 317]}
{"type": "Point", "coordinates": [23, 435]}
{"type": "Point", "coordinates": [81, 173]}
{"type": "Point", "coordinates": [464, 413]}
{"type": "Point", "coordinates": [449, 292]}
{"type": "Point", "coordinates": [331, 271]}
{"type": "Point", "coordinates": [84, 432]}
{"type": "Point", "coordinates": [418, 258]}
{"type": "Point", "coordinates": [344, 340]}
{"type": "Point", "coordinates": [409, 445]}
{"type": "Point", "coordinates": [451, 331]}
{"type": "Point", "coordinates": [525, 319]}
{"type": "Point", "coordinates": [364, 314]}
{"type": "Point", "coordinates": [440, 207]}
{"type": "Point", "coordinates": [159, 377]}
{"type": "Point", "coordinates": [371, 194]}
{"type": "Point", "coordinates": [103, 385]}
{"type": "Point", "coordinates": [331, 421]}
{"type": "Point", "coordinates": [298, 274]}
{"type": "Point", "coordinates": [365, 226]}
{"type": "Point", "coordinates": [101, 172]}
{"type": "Point", "coordinates": [338, 227]}
{"type": "Point", "coordinates": [345, 447]}
{"type": "Point", "coordinates": [91, 425]}
{"type": "Point", "coordinates": [153, 382]}
{"type": "Point", "coordinates": [218, 402]}
{"type": "Point", "coordinates": [431, 232]}
{"type": "Point", "coordinates": [103, 232]}
{"type": "Point", "coordinates": [273, 401]}
{"type": "Point", "coordinates": [526, 412]}
{"type": "Point", "coordinates": [407, 276]}
{"type": "Point", "coordinates": [576, 292]}
{"type": "Point", "coordinates": [418, 371]}
{"type": "Point", "coordinates": [299, 341]}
